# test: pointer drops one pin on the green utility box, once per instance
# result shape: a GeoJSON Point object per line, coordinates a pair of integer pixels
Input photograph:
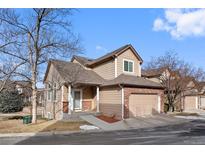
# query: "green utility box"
{"type": "Point", "coordinates": [27, 119]}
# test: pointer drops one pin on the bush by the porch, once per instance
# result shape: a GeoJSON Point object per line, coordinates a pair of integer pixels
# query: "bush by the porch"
{"type": "Point", "coordinates": [10, 101]}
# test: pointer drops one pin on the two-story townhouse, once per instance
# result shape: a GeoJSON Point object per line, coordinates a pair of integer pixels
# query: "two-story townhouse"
{"type": "Point", "coordinates": [111, 85]}
{"type": "Point", "coordinates": [23, 88]}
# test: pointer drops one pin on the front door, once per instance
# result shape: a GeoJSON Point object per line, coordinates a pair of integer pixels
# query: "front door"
{"type": "Point", "coordinates": [77, 100]}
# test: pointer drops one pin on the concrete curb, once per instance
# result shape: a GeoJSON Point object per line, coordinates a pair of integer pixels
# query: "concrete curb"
{"type": "Point", "coordinates": [46, 133]}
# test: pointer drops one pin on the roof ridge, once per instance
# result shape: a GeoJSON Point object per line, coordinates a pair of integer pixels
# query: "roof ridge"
{"type": "Point", "coordinates": [112, 53]}
{"type": "Point", "coordinates": [83, 57]}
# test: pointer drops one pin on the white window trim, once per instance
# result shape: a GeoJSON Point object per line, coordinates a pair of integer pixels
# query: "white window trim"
{"type": "Point", "coordinates": [196, 102]}
{"type": "Point", "coordinates": [62, 93]}
{"type": "Point", "coordinates": [70, 99]}
{"type": "Point", "coordinates": [98, 99]}
{"type": "Point", "coordinates": [159, 103]}
{"type": "Point", "coordinates": [54, 90]}
{"type": "Point", "coordinates": [48, 92]}
{"type": "Point", "coordinates": [133, 69]}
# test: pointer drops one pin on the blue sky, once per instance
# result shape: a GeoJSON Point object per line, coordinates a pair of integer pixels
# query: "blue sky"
{"type": "Point", "coordinates": [151, 31]}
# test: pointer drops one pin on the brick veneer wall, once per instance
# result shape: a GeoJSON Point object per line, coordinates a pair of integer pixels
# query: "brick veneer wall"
{"type": "Point", "coordinates": [65, 107]}
{"type": "Point", "coordinates": [87, 105]}
{"type": "Point", "coordinates": [129, 91]}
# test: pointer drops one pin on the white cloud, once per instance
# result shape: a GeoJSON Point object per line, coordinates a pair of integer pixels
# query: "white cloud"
{"type": "Point", "coordinates": [181, 23]}
{"type": "Point", "coordinates": [99, 47]}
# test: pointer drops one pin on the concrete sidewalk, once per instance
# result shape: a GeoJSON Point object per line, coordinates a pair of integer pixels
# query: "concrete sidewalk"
{"type": "Point", "coordinates": [100, 123]}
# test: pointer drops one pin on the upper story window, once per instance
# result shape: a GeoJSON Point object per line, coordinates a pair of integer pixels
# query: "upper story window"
{"type": "Point", "coordinates": [128, 66]}
{"type": "Point", "coordinates": [49, 91]}
{"type": "Point", "coordinates": [20, 90]}
{"type": "Point", "coordinates": [54, 91]}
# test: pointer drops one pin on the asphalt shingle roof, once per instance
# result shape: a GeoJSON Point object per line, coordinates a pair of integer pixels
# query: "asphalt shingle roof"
{"type": "Point", "coordinates": [132, 81]}
{"type": "Point", "coordinates": [75, 73]}
{"type": "Point", "coordinates": [89, 62]}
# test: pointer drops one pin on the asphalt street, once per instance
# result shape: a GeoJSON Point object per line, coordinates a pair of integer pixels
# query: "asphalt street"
{"type": "Point", "coordinates": [187, 133]}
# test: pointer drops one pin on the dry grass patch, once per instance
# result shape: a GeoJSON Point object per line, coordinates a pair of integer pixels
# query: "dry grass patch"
{"type": "Point", "coordinates": [17, 126]}
{"type": "Point", "coordinates": [65, 126]}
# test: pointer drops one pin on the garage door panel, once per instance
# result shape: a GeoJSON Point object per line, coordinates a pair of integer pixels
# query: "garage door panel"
{"type": "Point", "coordinates": [142, 104]}
{"type": "Point", "coordinates": [202, 102]}
{"type": "Point", "coordinates": [190, 103]}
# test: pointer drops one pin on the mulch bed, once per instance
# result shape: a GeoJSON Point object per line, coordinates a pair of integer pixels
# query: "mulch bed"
{"type": "Point", "coordinates": [107, 118]}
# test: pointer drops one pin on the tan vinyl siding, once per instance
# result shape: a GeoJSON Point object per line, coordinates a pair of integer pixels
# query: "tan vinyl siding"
{"type": "Point", "coordinates": [106, 70]}
{"type": "Point", "coordinates": [110, 101]}
{"type": "Point", "coordinates": [53, 77]}
{"type": "Point", "coordinates": [129, 55]}
{"type": "Point", "coordinates": [49, 104]}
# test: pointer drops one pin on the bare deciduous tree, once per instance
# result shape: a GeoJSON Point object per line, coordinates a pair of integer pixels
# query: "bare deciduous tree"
{"type": "Point", "coordinates": [181, 73]}
{"type": "Point", "coordinates": [34, 36]}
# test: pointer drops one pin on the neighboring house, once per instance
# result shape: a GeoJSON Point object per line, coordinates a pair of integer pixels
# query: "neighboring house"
{"type": "Point", "coordinates": [194, 96]}
{"type": "Point", "coordinates": [23, 88]}
{"type": "Point", "coordinates": [41, 96]}
{"type": "Point", "coordinates": [191, 96]}
{"type": "Point", "coordinates": [111, 85]}
{"type": "Point", "coordinates": [201, 94]}
{"type": "Point", "coordinates": [157, 75]}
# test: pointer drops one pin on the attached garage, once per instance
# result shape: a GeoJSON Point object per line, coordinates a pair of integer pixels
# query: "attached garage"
{"type": "Point", "coordinates": [143, 104]}
{"type": "Point", "coordinates": [132, 96]}
{"type": "Point", "coordinates": [202, 102]}
{"type": "Point", "coordinates": [190, 103]}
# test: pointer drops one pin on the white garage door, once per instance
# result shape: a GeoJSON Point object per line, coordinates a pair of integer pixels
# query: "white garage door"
{"type": "Point", "coordinates": [190, 103]}
{"type": "Point", "coordinates": [142, 104]}
{"type": "Point", "coordinates": [202, 100]}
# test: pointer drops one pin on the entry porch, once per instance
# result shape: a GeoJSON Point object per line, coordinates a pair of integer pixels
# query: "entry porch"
{"type": "Point", "coordinates": [79, 100]}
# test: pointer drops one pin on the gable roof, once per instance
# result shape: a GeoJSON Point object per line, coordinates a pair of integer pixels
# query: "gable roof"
{"type": "Point", "coordinates": [91, 62]}
{"type": "Point", "coordinates": [75, 73]}
{"type": "Point", "coordinates": [82, 60]}
{"type": "Point", "coordinates": [200, 85]}
{"type": "Point", "coordinates": [131, 80]}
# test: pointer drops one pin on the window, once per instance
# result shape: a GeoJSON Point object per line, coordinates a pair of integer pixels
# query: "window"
{"type": "Point", "coordinates": [49, 91]}
{"type": "Point", "coordinates": [128, 66]}
{"type": "Point", "coordinates": [20, 90]}
{"type": "Point", "coordinates": [54, 91]}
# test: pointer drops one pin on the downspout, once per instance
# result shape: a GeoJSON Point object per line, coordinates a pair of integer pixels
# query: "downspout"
{"type": "Point", "coordinates": [69, 99]}
{"type": "Point", "coordinates": [122, 100]}
{"type": "Point", "coordinates": [98, 99]}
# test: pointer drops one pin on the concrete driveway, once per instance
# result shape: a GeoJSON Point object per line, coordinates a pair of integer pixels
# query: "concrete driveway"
{"type": "Point", "coordinates": [135, 123]}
